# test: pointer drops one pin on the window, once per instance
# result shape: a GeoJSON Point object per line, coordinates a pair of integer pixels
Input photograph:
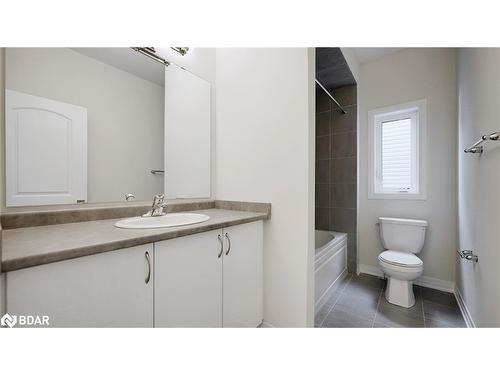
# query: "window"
{"type": "Point", "coordinates": [397, 136]}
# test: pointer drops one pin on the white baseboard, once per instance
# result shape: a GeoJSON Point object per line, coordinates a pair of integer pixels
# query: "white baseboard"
{"type": "Point", "coordinates": [464, 310]}
{"type": "Point", "coordinates": [438, 284]}
{"type": "Point", "coordinates": [370, 270]}
{"type": "Point", "coordinates": [425, 281]}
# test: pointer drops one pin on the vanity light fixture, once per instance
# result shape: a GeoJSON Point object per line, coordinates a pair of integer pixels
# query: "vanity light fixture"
{"type": "Point", "coordinates": [151, 53]}
{"type": "Point", "coordinates": [182, 50]}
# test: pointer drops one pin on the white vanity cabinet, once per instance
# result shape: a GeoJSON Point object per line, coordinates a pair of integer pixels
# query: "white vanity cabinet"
{"type": "Point", "coordinates": [243, 276]}
{"type": "Point", "coordinates": [103, 290]}
{"type": "Point", "coordinates": [211, 279]}
{"type": "Point", "coordinates": [188, 281]}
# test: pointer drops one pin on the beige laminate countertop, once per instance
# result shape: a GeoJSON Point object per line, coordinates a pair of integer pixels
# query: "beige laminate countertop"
{"type": "Point", "coordinates": [33, 246]}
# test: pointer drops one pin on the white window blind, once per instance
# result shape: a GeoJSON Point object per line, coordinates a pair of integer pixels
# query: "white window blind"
{"type": "Point", "coordinates": [396, 155]}
{"type": "Point", "coordinates": [397, 136]}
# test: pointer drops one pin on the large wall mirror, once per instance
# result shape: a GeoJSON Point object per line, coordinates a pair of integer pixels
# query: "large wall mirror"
{"type": "Point", "coordinates": [94, 124]}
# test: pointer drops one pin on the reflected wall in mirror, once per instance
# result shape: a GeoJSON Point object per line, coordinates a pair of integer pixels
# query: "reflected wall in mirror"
{"type": "Point", "coordinates": [88, 125]}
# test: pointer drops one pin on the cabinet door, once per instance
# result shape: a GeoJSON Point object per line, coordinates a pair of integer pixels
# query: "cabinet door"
{"type": "Point", "coordinates": [188, 281]}
{"type": "Point", "coordinates": [102, 290]}
{"type": "Point", "coordinates": [243, 269]}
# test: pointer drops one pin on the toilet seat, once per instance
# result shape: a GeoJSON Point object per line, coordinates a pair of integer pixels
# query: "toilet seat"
{"type": "Point", "coordinates": [400, 259]}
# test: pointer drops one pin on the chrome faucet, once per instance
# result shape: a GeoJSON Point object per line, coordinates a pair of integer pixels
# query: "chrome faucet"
{"type": "Point", "coordinates": [158, 205]}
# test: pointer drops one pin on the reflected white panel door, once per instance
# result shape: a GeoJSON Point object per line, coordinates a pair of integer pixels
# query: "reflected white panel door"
{"type": "Point", "coordinates": [188, 281]}
{"type": "Point", "coordinates": [243, 275]}
{"type": "Point", "coordinates": [187, 134]}
{"type": "Point", "coordinates": [46, 151]}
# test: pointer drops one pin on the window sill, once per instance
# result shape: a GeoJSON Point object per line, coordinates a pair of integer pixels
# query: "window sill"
{"type": "Point", "coordinates": [396, 196]}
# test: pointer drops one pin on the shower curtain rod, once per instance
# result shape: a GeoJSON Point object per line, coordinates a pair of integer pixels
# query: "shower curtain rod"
{"type": "Point", "coordinates": [331, 97]}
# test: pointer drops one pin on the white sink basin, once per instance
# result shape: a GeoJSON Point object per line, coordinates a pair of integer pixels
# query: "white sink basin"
{"type": "Point", "coordinates": [169, 220]}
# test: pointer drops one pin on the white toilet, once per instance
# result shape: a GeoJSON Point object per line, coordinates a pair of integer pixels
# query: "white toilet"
{"type": "Point", "coordinates": [402, 239]}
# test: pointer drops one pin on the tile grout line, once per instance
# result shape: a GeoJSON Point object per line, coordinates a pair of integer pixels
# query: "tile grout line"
{"type": "Point", "coordinates": [423, 310]}
{"type": "Point", "coordinates": [378, 304]}
{"type": "Point", "coordinates": [333, 305]}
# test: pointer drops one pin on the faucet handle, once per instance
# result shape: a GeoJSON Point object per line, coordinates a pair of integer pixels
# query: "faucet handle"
{"type": "Point", "coordinates": [159, 198]}
{"type": "Point", "coordinates": [158, 205]}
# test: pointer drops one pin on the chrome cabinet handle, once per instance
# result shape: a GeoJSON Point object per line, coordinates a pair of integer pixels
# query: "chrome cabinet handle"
{"type": "Point", "coordinates": [148, 277]}
{"type": "Point", "coordinates": [229, 241]}
{"type": "Point", "coordinates": [221, 246]}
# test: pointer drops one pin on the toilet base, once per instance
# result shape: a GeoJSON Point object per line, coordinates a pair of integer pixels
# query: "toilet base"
{"type": "Point", "coordinates": [400, 292]}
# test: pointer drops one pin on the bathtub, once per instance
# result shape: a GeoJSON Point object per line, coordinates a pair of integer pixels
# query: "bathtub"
{"type": "Point", "coordinates": [330, 265]}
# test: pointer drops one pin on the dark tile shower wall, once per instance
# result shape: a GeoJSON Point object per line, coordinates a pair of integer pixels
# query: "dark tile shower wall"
{"type": "Point", "coordinates": [336, 174]}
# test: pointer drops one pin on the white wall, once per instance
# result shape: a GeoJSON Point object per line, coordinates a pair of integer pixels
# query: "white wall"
{"type": "Point", "coordinates": [265, 152]}
{"type": "Point", "coordinates": [125, 116]}
{"type": "Point", "coordinates": [199, 61]}
{"type": "Point", "coordinates": [409, 75]}
{"type": "Point", "coordinates": [479, 184]}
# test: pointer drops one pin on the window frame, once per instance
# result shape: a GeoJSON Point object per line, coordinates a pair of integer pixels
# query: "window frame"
{"type": "Point", "coordinates": [416, 111]}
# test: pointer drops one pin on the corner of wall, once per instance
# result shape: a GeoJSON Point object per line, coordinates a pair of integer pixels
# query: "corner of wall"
{"type": "Point", "coordinates": [311, 59]}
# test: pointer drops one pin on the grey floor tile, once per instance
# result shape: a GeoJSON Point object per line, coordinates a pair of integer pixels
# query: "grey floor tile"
{"type": "Point", "coordinates": [334, 297]}
{"type": "Point", "coordinates": [321, 315]}
{"type": "Point", "coordinates": [380, 325]}
{"type": "Point", "coordinates": [359, 301]}
{"type": "Point", "coordinates": [437, 296]}
{"type": "Point", "coordinates": [332, 300]}
{"type": "Point", "coordinates": [363, 306]}
{"type": "Point", "coordinates": [429, 323]}
{"type": "Point", "coordinates": [367, 281]}
{"type": "Point", "coordinates": [341, 318]}
{"type": "Point", "coordinates": [445, 314]}
{"type": "Point", "coordinates": [397, 319]}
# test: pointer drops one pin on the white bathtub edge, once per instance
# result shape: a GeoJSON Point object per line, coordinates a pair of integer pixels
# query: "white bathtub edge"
{"type": "Point", "coordinates": [328, 293]}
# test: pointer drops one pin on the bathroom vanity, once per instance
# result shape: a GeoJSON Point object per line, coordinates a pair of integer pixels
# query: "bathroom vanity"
{"type": "Point", "coordinates": [92, 274]}
{"type": "Point", "coordinates": [75, 243]}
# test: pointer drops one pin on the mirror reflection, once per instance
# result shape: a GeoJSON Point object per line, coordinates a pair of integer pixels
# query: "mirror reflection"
{"type": "Point", "coordinates": [103, 125]}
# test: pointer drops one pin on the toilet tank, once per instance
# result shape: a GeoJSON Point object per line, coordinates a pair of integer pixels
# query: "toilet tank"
{"type": "Point", "coordinates": [406, 235]}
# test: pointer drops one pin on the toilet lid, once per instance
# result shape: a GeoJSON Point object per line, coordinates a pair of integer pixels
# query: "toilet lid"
{"type": "Point", "coordinates": [400, 258]}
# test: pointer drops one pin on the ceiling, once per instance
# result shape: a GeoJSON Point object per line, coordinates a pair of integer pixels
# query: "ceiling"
{"type": "Point", "coordinates": [365, 55]}
{"type": "Point", "coordinates": [128, 60]}
{"type": "Point", "coordinates": [332, 69]}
